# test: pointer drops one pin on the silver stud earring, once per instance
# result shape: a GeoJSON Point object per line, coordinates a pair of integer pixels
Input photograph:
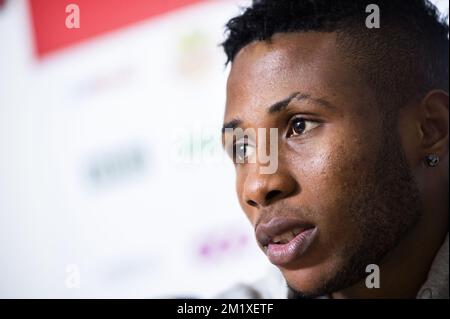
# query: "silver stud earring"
{"type": "Point", "coordinates": [432, 160]}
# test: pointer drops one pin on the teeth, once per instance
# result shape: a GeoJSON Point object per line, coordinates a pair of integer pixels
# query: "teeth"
{"type": "Point", "coordinates": [296, 231]}
{"type": "Point", "coordinates": [286, 237]}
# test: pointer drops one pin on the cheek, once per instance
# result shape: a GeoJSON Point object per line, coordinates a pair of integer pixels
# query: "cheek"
{"type": "Point", "coordinates": [331, 175]}
{"type": "Point", "coordinates": [240, 183]}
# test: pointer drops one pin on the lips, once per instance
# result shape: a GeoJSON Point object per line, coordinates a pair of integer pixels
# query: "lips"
{"type": "Point", "coordinates": [285, 240]}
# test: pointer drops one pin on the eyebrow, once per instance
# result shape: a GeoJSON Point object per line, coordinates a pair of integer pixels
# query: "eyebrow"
{"type": "Point", "coordinates": [231, 125]}
{"type": "Point", "coordinates": [281, 105]}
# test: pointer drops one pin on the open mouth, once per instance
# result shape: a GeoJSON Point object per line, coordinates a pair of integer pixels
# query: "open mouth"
{"type": "Point", "coordinates": [286, 237]}
{"type": "Point", "coordinates": [285, 240]}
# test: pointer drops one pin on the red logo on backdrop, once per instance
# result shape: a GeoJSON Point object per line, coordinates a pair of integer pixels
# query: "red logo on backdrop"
{"type": "Point", "coordinates": [96, 17]}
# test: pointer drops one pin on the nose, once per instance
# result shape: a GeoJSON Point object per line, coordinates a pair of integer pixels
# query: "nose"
{"type": "Point", "coordinates": [261, 190]}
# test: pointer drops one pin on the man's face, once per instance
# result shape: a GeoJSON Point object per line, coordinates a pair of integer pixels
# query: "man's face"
{"type": "Point", "coordinates": [342, 196]}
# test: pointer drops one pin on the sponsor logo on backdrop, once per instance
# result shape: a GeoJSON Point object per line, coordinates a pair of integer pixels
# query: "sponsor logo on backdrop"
{"type": "Point", "coordinates": [194, 55]}
{"type": "Point", "coordinates": [219, 245]}
{"type": "Point", "coordinates": [117, 166]}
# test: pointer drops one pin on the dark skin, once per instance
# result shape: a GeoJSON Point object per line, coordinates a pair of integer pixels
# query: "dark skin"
{"type": "Point", "coordinates": [337, 172]}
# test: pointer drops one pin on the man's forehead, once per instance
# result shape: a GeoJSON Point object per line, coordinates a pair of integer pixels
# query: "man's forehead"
{"type": "Point", "coordinates": [265, 71]}
{"type": "Point", "coordinates": [284, 51]}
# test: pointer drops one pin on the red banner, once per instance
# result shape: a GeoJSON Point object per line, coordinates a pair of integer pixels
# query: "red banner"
{"type": "Point", "coordinates": [95, 16]}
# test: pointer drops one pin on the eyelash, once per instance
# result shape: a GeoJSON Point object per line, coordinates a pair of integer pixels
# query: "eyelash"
{"type": "Point", "coordinates": [236, 151]}
{"type": "Point", "coordinates": [289, 134]}
{"type": "Point", "coordinates": [307, 121]}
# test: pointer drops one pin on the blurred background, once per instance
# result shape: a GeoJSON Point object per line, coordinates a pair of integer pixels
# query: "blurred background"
{"type": "Point", "coordinates": [113, 183]}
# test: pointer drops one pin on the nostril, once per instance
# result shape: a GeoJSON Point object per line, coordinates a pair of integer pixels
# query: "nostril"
{"type": "Point", "coordinates": [252, 203]}
{"type": "Point", "coordinates": [272, 194]}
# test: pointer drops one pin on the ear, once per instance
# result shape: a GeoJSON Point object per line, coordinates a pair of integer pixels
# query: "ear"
{"type": "Point", "coordinates": [433, 119]}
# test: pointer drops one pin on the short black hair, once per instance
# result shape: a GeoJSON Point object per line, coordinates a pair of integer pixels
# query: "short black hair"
{"type": "Point", "coordinates": [405, 58]}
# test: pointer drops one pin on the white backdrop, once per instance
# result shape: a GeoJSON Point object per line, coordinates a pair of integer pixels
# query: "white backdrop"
{"type": "Point", "coordinates": [112, 178]}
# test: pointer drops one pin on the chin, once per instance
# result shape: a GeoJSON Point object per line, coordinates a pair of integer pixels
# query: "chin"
{"type": "Point", "coordinates": [306, 281]}
{"type": "Point", "coordinates": [313, 281]}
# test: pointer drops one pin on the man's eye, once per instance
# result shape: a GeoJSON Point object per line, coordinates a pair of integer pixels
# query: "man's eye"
{"type": "Point", "coordinates": [300, 126]}
{"type": "Point", "coordinates": [242, 151]}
